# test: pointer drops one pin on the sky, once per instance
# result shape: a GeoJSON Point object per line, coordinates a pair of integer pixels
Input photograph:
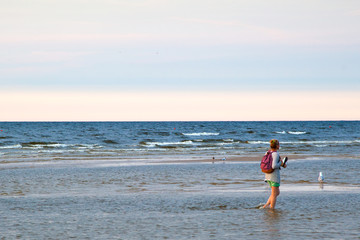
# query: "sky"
{"type": "Point", "coordinates": [179, 60]}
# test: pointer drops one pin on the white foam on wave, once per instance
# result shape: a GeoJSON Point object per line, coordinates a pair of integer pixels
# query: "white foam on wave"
{"type": "Point", "coordinates": [11, 146]}
{"type": "Point", "coordinates": [321, 142]}
{"type": "Point", "coordinates": [226, 143]}
{"type": "Point", "coordinates": [50, 145]}
{"type": "Point", "coordinates": [292, 132]}
{"type": "Point", "coordinates": [55, 151]}
{"type": "Point", "coordinates": [315, 143]}
{"type": "Point", "coordinates": [201, 134]}
{"type": "Point", "coordinates": [153, 144]}
{"type": "Point", "coordinates": [258, 142]}
{"type": "Point", "coordinates": [297, 133]}
{"type": "Point", "coordinates": [86, 146]}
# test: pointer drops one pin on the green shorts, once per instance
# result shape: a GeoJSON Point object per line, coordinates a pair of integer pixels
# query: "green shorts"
{"type": "Point", "coordinates": [273, 184]}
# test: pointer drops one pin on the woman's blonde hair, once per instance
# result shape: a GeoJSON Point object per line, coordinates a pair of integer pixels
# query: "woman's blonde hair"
{"type": "Point", "coordinates": [274, 143]}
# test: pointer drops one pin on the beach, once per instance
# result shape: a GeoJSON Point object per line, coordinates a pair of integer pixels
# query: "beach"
{"type": "Point", "coordinates": [179, 201]}
{"type": "Point", "coordinates": [149, 119]}
{"type": "Point", "coordinates": [53, 188]}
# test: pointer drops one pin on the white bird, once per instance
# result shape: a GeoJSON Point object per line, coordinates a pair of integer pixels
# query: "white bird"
{"type": "Point", "coordinates": [321, 177]}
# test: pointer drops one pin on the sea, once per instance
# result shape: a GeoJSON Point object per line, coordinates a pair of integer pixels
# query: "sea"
{"type": "Point", "coordinates": [177, 180]}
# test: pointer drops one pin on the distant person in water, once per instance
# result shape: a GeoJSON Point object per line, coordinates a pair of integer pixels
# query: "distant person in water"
{"type": "Point", "coordinates": [274, 178]}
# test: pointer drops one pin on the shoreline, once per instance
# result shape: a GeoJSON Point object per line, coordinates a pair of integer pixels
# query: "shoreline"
{"type": "Point", "coordinates": [216, 160]}
{"type": "Point", "coordinates": [255, 158]}
{"type": "Point", "coordinates": [157, 159]}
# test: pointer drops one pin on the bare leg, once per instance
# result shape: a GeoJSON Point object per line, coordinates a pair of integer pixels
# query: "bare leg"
{"type": "Point", "coordinates": [267, 203]}
{"type": "Point", "coordinates": [275, 191]}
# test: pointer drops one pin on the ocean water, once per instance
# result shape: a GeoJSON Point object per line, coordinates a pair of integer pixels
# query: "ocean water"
{"type": "Point", "coordinates": [71, 141]}
{"type": "Point", "coordinates": [100, 181]}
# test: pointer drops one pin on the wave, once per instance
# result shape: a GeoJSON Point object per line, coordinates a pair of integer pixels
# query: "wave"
{"type": "Point", "coordinates": [5, 137]}
{"type": "Point", "coordinates": [257, 142]}
{"type": "Point", "coordinates": [323, 142]}
{"type": "Point", "coordinates": [154, 144]}
{"type": "Point", "coordinates": [292, 132]}
{"type": "Point", "coordinates": [213, 140]}
{"type": "Point", "coordinates": [39, 145]}
{"type": "Point", "coordinates": [201, 134]}
{"type": "Point", "coordinates": [11, 146]}
{"type": "Point", "coordinates": [148, 132]}
{"type": "Point", "coordinates": [86, 146]}
{"type": "Point", "coordinates": [319, 143]}
{"type": "Point", "coordinates": [50, 145]}
{"type": "Point", "coordinates": [110, 142]}
{"type": "Point", "coordinates": [320, 146]}
{"type": "Point", "coordinates": [297, 133]}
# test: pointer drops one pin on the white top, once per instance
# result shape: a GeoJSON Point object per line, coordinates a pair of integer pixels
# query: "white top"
{"type": "Point", "coordinates": [276, 164]}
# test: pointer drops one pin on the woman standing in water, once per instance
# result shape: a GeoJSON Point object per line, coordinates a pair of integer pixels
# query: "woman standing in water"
{"type": "Point", "coordinates": [274, 178]}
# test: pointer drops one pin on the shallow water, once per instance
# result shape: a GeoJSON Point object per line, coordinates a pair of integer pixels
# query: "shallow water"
{"type": "Point", "coordinates": [179, 201]}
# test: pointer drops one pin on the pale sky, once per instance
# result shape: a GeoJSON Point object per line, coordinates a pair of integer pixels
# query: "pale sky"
{"type": "Point", "coordinates": [139, 60]}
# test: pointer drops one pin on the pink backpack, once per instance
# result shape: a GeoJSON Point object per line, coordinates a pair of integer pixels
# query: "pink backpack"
{"type": "Point", "coordinates": [266, 162]}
